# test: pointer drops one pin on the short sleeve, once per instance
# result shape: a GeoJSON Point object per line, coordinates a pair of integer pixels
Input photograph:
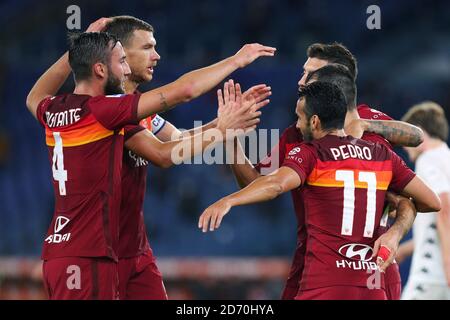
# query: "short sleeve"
{"type": "Point", "coordinates": [115, 112]}
{"type": "Point", "coordinates": [301, 159]}
{"type": "Point", "coordinates": [365, 112]}
{"type": "Point", "coordinates": [131, 130]}
{"type": "Point", "coordinates": [401, 173]}
{"type": "Point", "coordinates": [432, 175]}
{"type": "Point", "coordinates": [42, 107]}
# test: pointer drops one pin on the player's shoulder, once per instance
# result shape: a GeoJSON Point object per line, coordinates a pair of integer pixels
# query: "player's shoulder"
{"type": "Point", "coordinates": [372, 143]}
{"type": "Point", "coordinates": [378, 151]}
{"type": "Point", "coordinates": [366, 112]}
{"type": "Point", "coordinates": [107, 98]}
{"type": "Point", "coordinates": [301, 146]}
{"type": "Point", "coordinates": [63, 101]}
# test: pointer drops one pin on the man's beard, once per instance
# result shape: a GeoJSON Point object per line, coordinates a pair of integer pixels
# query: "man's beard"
{"type": "Point", "coordinates": [307, 133]}
{"type": "Point", "coordinates": [113, 85]}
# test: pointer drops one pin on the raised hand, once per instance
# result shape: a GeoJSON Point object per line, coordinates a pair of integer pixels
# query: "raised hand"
{"type": "Point", "coordinates": [213, 215]}
{"type": "Point", "coordinates": [257, 95]}
{"type": "Point", "coordinates": [236, 113]}
{"type": "Point", "coordinates": [251, 52]}
{"type": "Point", "coordinates": [98, 25]}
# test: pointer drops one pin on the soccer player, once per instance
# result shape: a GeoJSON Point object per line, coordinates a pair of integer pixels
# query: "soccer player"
{"type": "Point", "coordinates": [429, 276]}
{"type": "Point", "coordinates": [320, 55]}
{"type": "Point", "coordinates": [84, 136]}
{"type": "Point", "coordinates": [345, 181]}
{"type": "Point", "coordinates": [138, 273]}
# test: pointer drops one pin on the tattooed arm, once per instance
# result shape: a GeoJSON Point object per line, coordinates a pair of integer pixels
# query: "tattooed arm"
{"type": "Point", "coordinates": [396, 132]}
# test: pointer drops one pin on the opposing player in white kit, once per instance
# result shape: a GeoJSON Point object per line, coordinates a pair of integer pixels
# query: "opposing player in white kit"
{"type": "Point", "coordinates": [429, 277]}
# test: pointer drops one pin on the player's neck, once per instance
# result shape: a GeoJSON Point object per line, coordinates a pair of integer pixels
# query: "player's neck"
{"type": "Point", "coordinates": [350, 116]}
{"type": "Point", "coordinates": [90, 88]}
{"type": "Point", "coordinates": [335, 132]}
{"type": "Point", "coordinates": [433, 143]}
{"type": "Point", "coordinates": [131, 86]}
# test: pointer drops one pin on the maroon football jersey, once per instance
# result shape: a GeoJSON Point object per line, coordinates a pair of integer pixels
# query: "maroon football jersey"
{"type": "Point", "coordinates": [84, 137]}
{"type": "Point", "coordinates": [290, 137]}
{"type": "Point", "coordinates": [133, 234]}
{"type": "Point", "coordinates": [345, 180]}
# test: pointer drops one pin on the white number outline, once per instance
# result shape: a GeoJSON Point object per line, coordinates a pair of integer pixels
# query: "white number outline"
{"type": "Point", "coordinates": [348, 177]}
{"type": "Point", "coordinates": [59, 174]}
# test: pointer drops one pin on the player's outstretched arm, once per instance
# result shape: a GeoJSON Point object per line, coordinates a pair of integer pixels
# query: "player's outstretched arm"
{"type": "Point", "coordinates": [396, 132]}
{"type": "Point", "coordinates": [262, 189]}
{"type": "Point", "coordinates": [198, 82]}
{"type": "Point", "coordinates": [242, 168]}
{"type": "Point", "coordinates": [237, 115]}
{"type": "Point", "coordinates": [443, 227]}
{"type": "Point", "coordinates": [52, 80]}
{"type": "Point", "coordinates": [425, 199]}
{"type": "Point", "coordinates": [405, 215]}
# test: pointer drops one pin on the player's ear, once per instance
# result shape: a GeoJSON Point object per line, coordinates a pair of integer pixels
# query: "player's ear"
{"type": "Point", "coordinates": [314, 122]}
{"type": "Point", "coordinates": [100, 70]}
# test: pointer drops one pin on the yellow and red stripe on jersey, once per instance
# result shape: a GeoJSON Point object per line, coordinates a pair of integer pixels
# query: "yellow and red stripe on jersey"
{"type": "Point", "coordinates": [324, 173]}
{"type": "Point", "coordinates": [86, 131]}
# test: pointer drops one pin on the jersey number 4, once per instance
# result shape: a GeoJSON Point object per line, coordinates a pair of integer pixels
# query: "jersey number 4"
{"type": "Point", "coordinates": [348, 177]}
{"type": "Point", "coordinates": [59, 174]}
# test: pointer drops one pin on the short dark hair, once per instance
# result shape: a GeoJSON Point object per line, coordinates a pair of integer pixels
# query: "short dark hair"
{"type": "Point", "coordinates": [327, 101]}
{"type": "Point", "coordinates": [339, 75]}
{"type": "Point", "coordinates": [124, 26]}
{"type": "Point", "coordinates": [430, 117]}
{"type": "Point", "coordinates": [334, 53]}
{"type": "Point", "coordinates": [88, 48]}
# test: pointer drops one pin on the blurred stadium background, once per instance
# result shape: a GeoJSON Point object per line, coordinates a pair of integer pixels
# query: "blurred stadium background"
{"type": "Point", "coordinates": [405, 62]}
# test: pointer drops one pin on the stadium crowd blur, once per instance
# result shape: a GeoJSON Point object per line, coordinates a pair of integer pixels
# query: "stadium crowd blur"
{"type": "Point", "coordinates": [405, 62]}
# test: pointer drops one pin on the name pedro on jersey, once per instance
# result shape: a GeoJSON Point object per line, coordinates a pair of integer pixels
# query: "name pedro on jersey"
{"type": "Point", "coordinates": [351, 151]}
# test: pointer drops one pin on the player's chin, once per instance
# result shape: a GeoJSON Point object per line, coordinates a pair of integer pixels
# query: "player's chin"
{"type": "Point", "coordinates": [148, 76]}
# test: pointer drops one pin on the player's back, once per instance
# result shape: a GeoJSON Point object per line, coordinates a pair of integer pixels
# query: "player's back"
{"type": "Point", "coordinates": [85, 143]}
{"type": "Point", "coordinates": [344, 196]}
